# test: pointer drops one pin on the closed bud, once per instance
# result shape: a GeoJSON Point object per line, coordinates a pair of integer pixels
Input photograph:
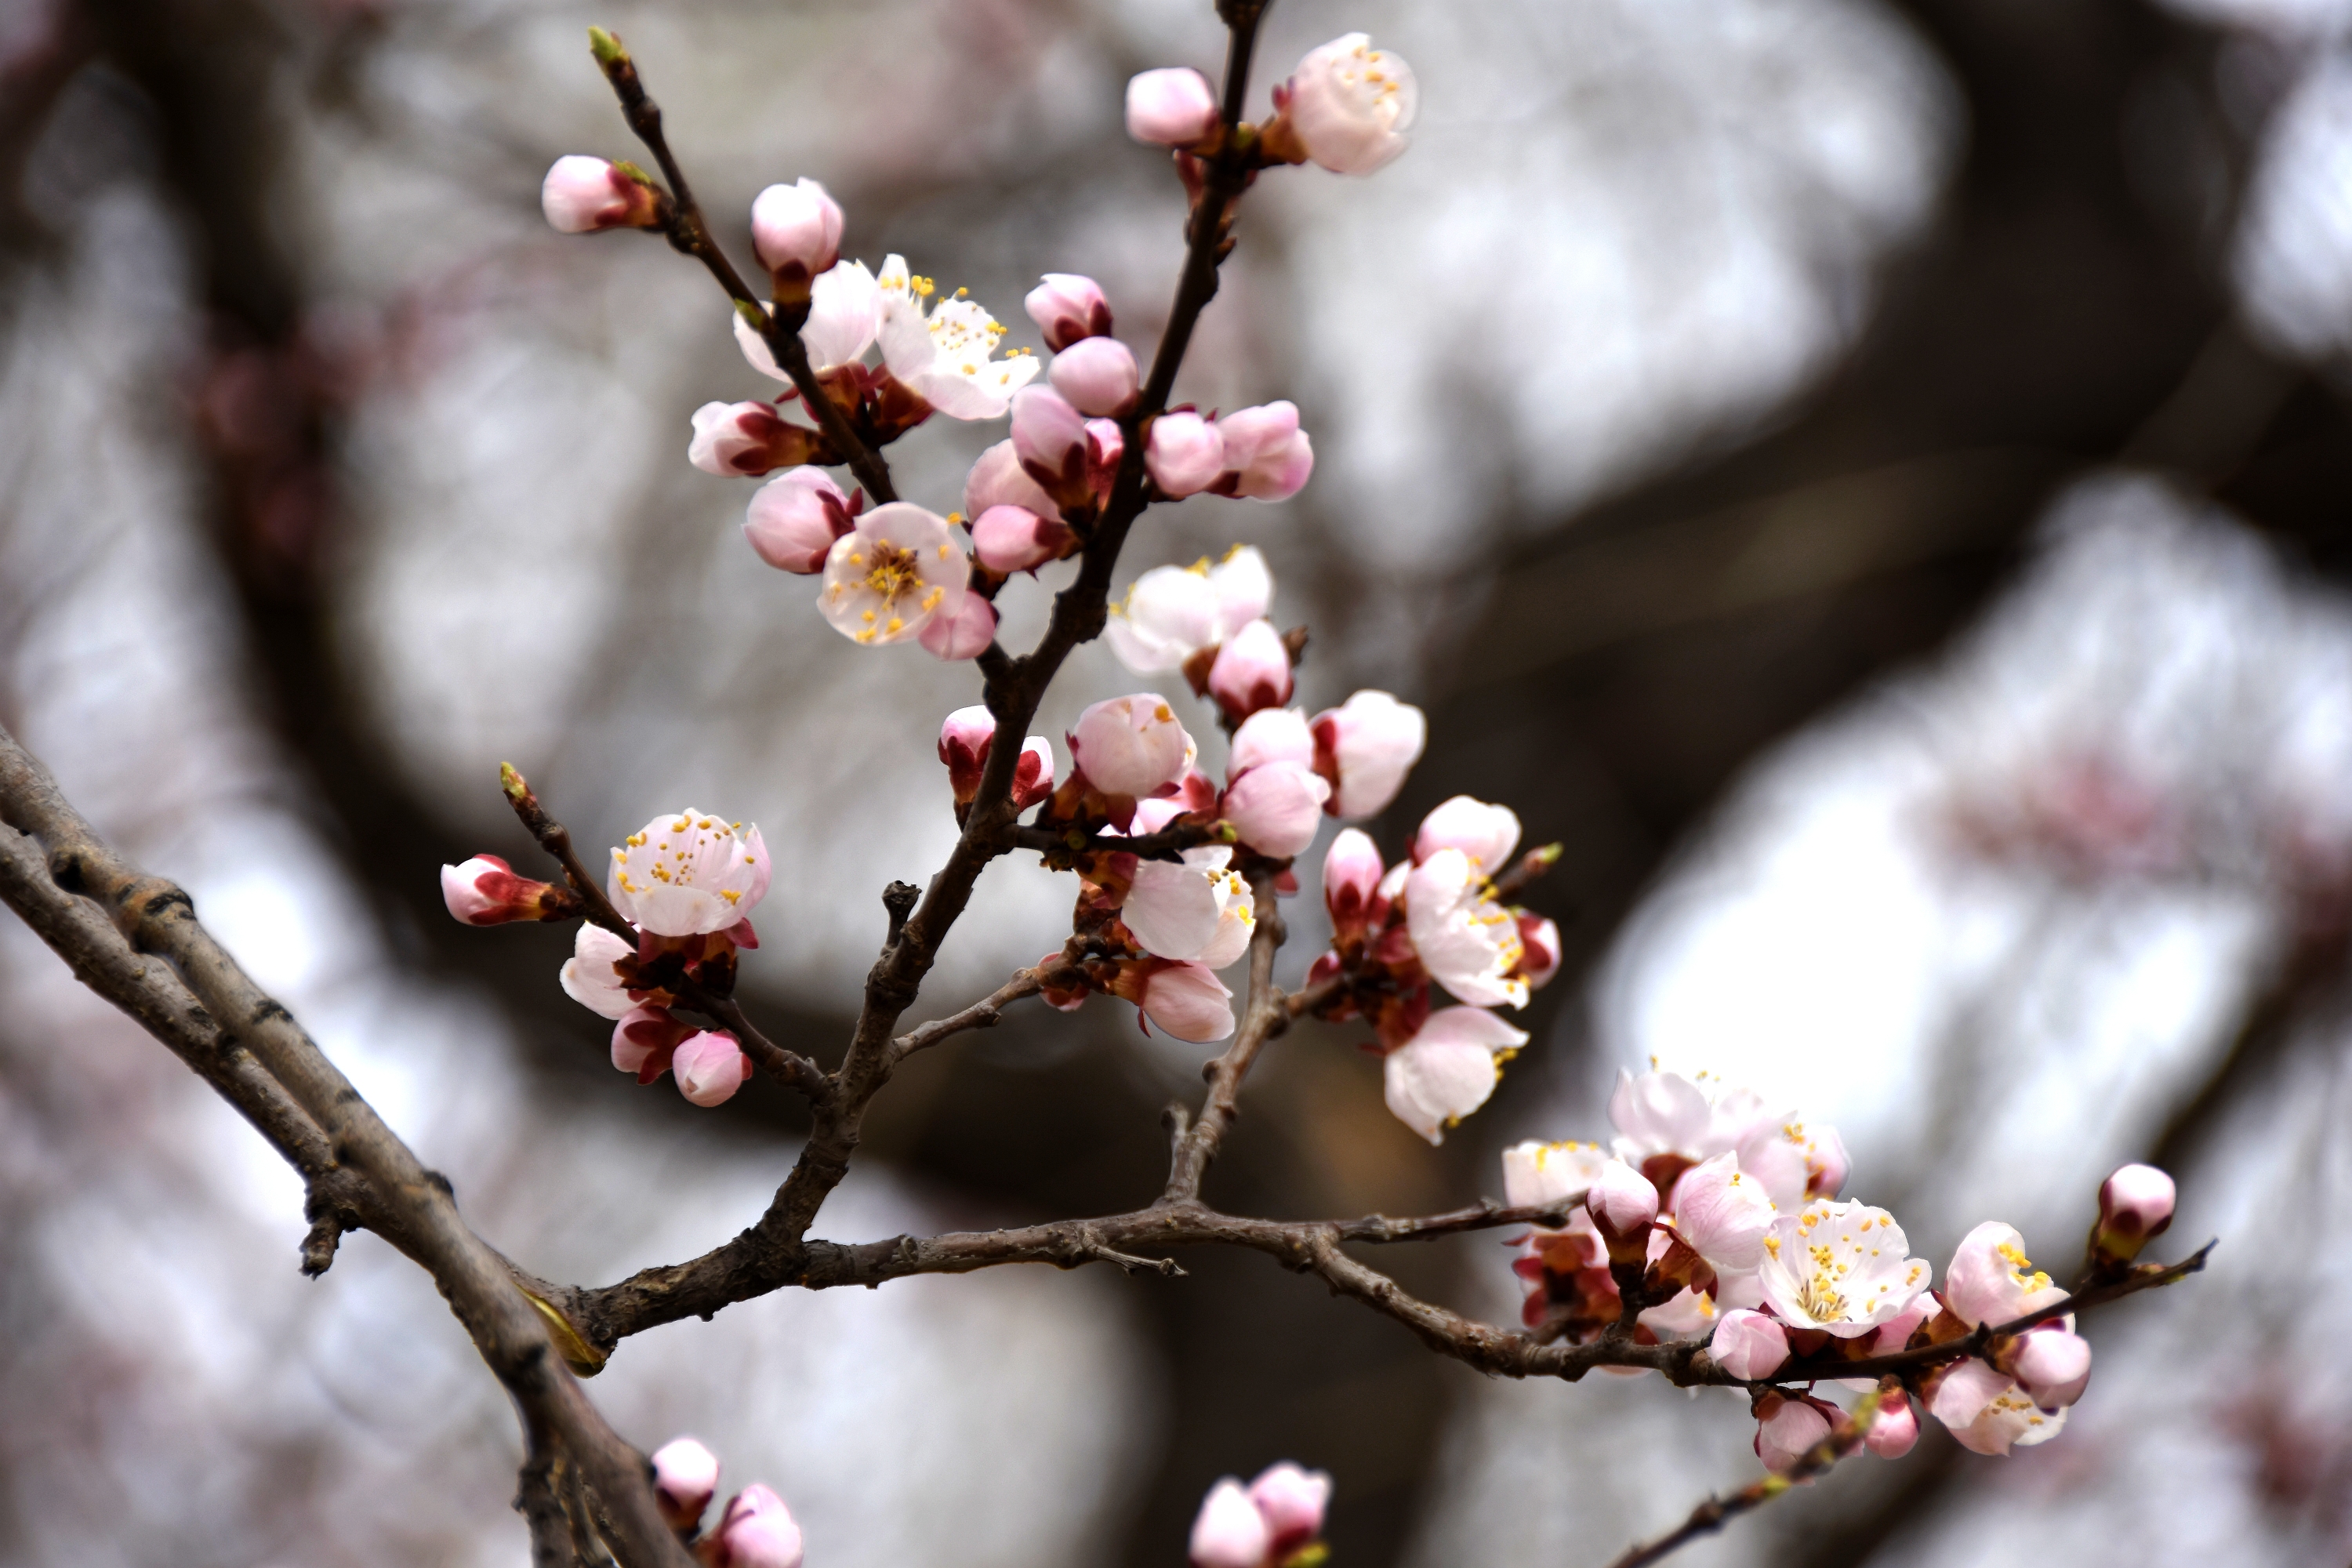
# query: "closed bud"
{"type": "Point", "coordinates": [1184, 454]}
{"type": "Point", "coordinates": [1896, 1429]}
{"type": "Point", "coordinates": [1131, 745]}
{"type": "Point", "coordinates": [2135, 1204]}
{"type": "Point", "coordinates": [645, 1038]}
{"type": "Point", "coordinates": [2052, 1364]}
{"type": "Point", "coordinates": [1068, 309]}
{"type": "Point", "coordinates": [581, 195]}
{"type": "Point", "coordinates": [485, 891]}
{"type": "Point", "coordinates": [1032, 776]}
{"type": "Point", "coordinates": [1252, 672]}
{"type": "Point", "coordinates": [1275, 808]}
{"type": "Point", "coordinates": [1171, 107]}
{"type": "Point", "coordinates": [686, 1474]}
{"type": "Point", "coordinates": [1009, 539]}
{"type": "Point", "coordinates": [1787, 1428]}
{"type": "Point", "coordinates": [1267, 457]}
{"type": "Point", "coordinates": [756, 1531]}
{"type": "Point", "coordinates": [1229, 1532]}
{"type": "Point", "coordinates": [750, 439]}
{"type": "Point", "coordinates": [1540, 950]}
{"type": "Point", "coordinates": [711, 1066]}
{"type": "Point", "coordinates": [1351, 879]}
{"type": "Point", "coordinates": [1291, 1501]}
{"type": "Point", "coordinates": [1099, 375]}
{"type": "Point", "coordinates": [1748, 1345]}
{"type": "Point", "coordinates": [1186, 1000]}
{"type": "Point", "coordinates": [1270, 735]}
{"type": "Point", "coordinates": [794, 518]}
{"type": "Point", "coordinates": [796, 230]}
{"type": "Point", "coordinates": [1623, 1204]}
{"type": "Point", "coordinates": [965, 741]}
{"type": "Point", "coordinates": [1050, 438]}
{"type": "Point", "coordinates": [1366, 747]}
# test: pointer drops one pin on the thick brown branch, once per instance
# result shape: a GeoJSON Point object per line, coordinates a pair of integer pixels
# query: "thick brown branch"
{"type": "Point", "coordinates": [158, 918]}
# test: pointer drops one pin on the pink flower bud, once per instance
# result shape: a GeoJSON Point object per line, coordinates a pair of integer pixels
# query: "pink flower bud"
{"type": "Point", "coordinates": [1623, 1202]}
{"type": "Point", "coordinates": [711, 1066]}
{"type": "Point", "coordinates": [1267, 455]}
{"type": "Point", "coordinates": [2052, 1365]}
{"type": "Point", "coordinates": [1050, 438]}
{"type": "Point", "coordinates": [2135, 1204]}
{"type": "Point", "coordinates": [1068, 309]}
{"type": "Point", "coordinates": [1106, 444]}
{"type": "Point", "coordinates": [686, 1474]}
{"type": "Point", "coordinates": [1097, 375]}
{"type": "Point", "coordinates": [1187, 999]}
{"type": "Point", "coordinates": [796, 230]}
{"type": "Point", "coordinates": [1131, 745]}
{"type": "Point", "coordinates": [1009, 539]}
{"type": "Point", "coordinates": [1365, 747]}
{"type": "Point", "coordinates": [1270, 735]}
{"type": "Point", "coordinates": [1349, 105]}
{"type": "Point", "coordinates": [1748, 1345]}
{"type": "Point", "coordinates": [1032, 776]}
{"type": "Point", "coordinates": [1229, 1532]}
{"type": "Point", "coordinates": [1540, 951]}
{"type": "Point", "coordinates": [1486, 833]}
{"type": "Point", "coordinates": [485, 891]}
{"type": "Point", "coordinates": [1291, 1501]}
{"type": "Point", "coordinates": [750, 439]}
{"type": "Point", "coordinates": [583, 193]}
{"type": "Point", "coordinates": [1252, 672]}
{"type": "Point", "coordinates": [1351, 879]}
{"type": "Point", "coordinates": [1184, 454]}
{"type": "Point", "coordinates": [643, 1040]}
{"type": "Point", "coordinates": [1171, 107]}
{"type": "Point", "coordinates": [963, 746]}
{"type": "Point", "coordinates": [963, 635]}
{"type": "Point", "coordinates": [794, 518]}
{"type": "Point", "coordinates": [1787, 1428]}
{"type": "Point", "coordinates": [997, 479]}
{"type": "Point", "coordinates": [756, 1531]}
{"type": "Point", "coordinates": [1896, 1428]}
{"type": "Point", "coordinates": [1275, 808]}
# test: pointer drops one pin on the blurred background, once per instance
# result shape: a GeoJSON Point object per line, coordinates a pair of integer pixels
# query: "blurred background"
{"type": "Point", "coordinates": [1870, 476]}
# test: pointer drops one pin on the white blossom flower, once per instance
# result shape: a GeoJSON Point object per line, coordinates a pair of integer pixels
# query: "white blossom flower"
{"type": "Point", "coordinates": [1550, 1173]}
{"type": "Point", "coordinates": [945, 353]}
{"type": "Point", "coordinates": [1469, 943]}
{"type": "Point", "coordinates": [1486, 833]}
{"type": "Point", "coordinates": [845, 318]}
{"type": "Point", "coordinates": [688, 875]}
{"type": "Point", "coordinates": [1171, 613]}
{"type": "Point", "coordinates": [1787, 1428]}
{"type": "Point", "coordinates": [1199, 910]}
{"type": "Point", "coordinates": [588, 976]}
{"type": "Point", "coordinates": [1722, 1211]}
{"type": "Point", "coordinates": [891, 572]}
{"type": "Point", "coordinates": [1365, 747]}
{"type": "Point", "coordinates": [1447, 1069]}
{"type": "Point", "coordinates": [1842, 1267]}
{"type": "Point", "coordinates": [1988, 1413]}
{"type": "Point", "coordinates": [1351, 104]}
{"type": "Point", "coordinates": [1992, 1281]}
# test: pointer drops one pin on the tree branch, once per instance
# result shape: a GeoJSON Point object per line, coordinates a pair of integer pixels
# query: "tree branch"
{"type": "Point", "coordinates": [1262, 1019]}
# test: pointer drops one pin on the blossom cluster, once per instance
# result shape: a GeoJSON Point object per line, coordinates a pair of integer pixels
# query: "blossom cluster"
{"type": "Point", "coordinates": [755, 1530]}
{"type": "Point", "coordinates": [1721, 1217]}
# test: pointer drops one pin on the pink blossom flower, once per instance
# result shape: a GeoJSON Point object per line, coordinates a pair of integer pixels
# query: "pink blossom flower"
{"type": "Point", "coordinates": [1266, 455]}
{"type": "Point", "coordinates": [2052, 1364]}
{"type": "Point", "coordinates": [589, 977]}
{"type": "Point", "coordinates": [711, 1066]}
{"type": "Point", "coordinates": [1992, 1281]}
{"type": "Point", "coordinates": [1351, 879]}
{"type": "Point", "coordinates": [583, 193]}
{"type": "Point", "coordinates": [796, 231]}
{"type": "Point", "coordinates": [746, 439]}
{"type": "Point", "coordinates": [1787, 1428]}
{"type": "Point", "coordinates": [1183, 454]}
{"type": "Point", "coordinates": [1665, 1114]}
{"type": "Point", "coordinates": [897, 568]}
{"type": "Point", "coordinates": [1198, 910]}
{"type": "Point", "coordinates": [1539, 949]}
{"type": "Point", "coordinates": [1170, 107]}
{"type": "Point", "coordinates": [1230, 1532]}
{"type": "Point", "coordinates": [646, 1039]}
{"type": "Point", "coordinates": [686, 1475]}
{"type": "Point", "coordinates": [1009, 539]}
{"type": "Point", "coordinates": [794, 518]}
{"type": "Point", "coordinates": [1623, 1202]}
{"type": "Point", "coordinates": [1099, 375]}
{"type": "Point", "coordinates": [2135, 1205]}
{"type": "Point", "coordinates": [1131, 745]}
{"type": "Point", "coordinates": [845, 318]}
{"type": "Point", "coordinates": [1291, 1501]}
{"type": "Point", "coordinates": [1349, 105]}
{"type": "Point", "coordinates": [1793, 1161]}
{"type": "Point", "coordinates": [1276, 808]}
{"type": "Point", "coordinates": [1068, 308]}
{"type": "Point", "coordinates": [1187, 999]}
{"type": "Point", "coordinates": [485, 891]}
{"type": "Point", "coordinates": [1469, 943]}
{"type": "Point", "coordinates": [756, 1531]}
{"type": "Point", "coordinates": [1722, 1211]}
{"type": "Point", "coordinates": [1252, 672]}
{"type": "Point", "coordinates": [1171, 613]}
{"type": "Point", "coordinates": [1447, 1069]}
{"type": "Point", "coordinates": [688, 875]}
{"type": "Point", "coordinates": [1988, 1413]}
{"type": "Point", "coordinates": [945, 354]}
{"type": "Point", "coordinates": [1365, 747]}
{"type": "Point", "coordinates": [1842, 1267]}
{"type": "Point", "coordinates": [964, 635]}
{"type": "Point", "coordinates": [1486, 833]}
{"type": "Point", "coordinates": [1896, 1428]}
{"type": "Point", "coordinates": [1550, 1174]}
{"type": "Point", "coordinates": [1748, 1345]}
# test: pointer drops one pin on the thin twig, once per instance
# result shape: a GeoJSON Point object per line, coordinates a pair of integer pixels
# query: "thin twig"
{"type": "Point", "coordinates": [984, 1014]}
{"type": "Point", "coordinates": [1715, 1512]}
{"type": "Point", "coordinates": [1260, 1017]}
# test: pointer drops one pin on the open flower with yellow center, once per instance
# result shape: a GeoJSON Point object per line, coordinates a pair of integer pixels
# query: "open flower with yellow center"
{"type": "Point", "coordinates": [946, 354]}
{"type": "Point", "coordinates": [1467, 941]}
{"type": "Point", "coordinates": [888, 577]}
{"type": "Point", "coordinates": [1842, 1267]}
{"type": "Point", "coordinates": [687, 875]}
